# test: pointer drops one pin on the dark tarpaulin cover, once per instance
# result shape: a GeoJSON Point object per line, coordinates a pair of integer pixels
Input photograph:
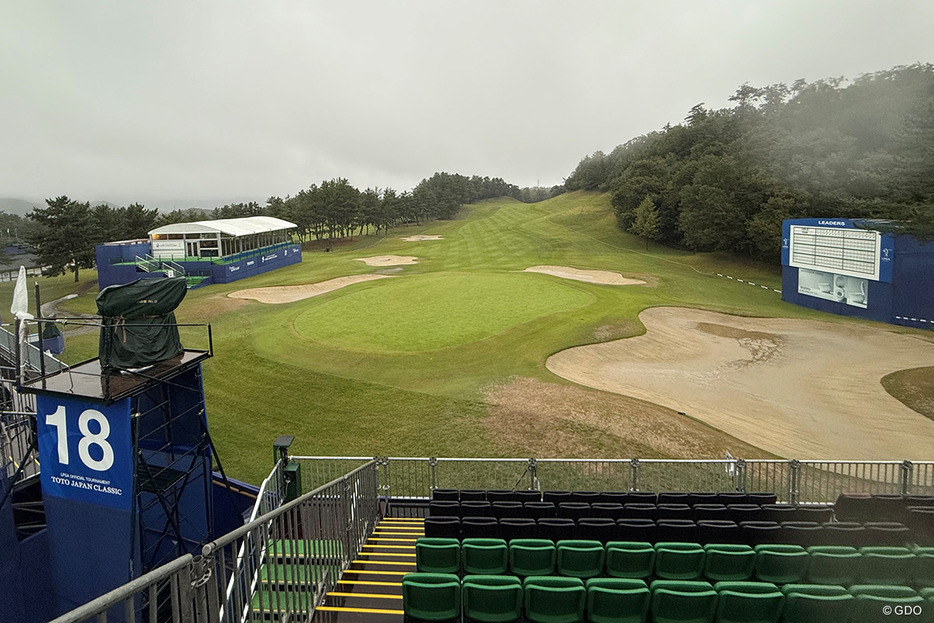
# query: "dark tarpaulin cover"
{"type": "Point", "coordinates": [139, 326]}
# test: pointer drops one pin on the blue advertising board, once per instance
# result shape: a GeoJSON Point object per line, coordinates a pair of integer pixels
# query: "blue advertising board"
{"type": "Point", "coordinates": [86, 450]}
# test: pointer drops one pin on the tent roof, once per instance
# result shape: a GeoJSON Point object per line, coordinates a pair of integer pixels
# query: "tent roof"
{"type": "Point", "coordinates": [230, 226]}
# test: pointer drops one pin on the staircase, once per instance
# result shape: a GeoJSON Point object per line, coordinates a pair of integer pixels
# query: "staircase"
{"type": "Point", "coordinates": [369, 590]}
{"type": "Point", "coordinates": [149, 264]}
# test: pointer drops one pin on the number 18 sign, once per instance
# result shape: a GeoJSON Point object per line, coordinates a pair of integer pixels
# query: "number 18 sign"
{"type": "Point", "coordinates": [85, 450]}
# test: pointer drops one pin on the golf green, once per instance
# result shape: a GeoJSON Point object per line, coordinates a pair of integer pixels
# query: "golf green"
{"type": "Point", "coordinates": [437, 310]}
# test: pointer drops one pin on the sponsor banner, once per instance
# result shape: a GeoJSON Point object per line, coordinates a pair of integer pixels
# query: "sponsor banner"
{"type": "Point", "coordinates": [86, 450]}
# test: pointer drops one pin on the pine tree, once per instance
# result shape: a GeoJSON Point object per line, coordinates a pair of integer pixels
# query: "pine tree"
{"type": "Point", "coordinates": [645, 220]}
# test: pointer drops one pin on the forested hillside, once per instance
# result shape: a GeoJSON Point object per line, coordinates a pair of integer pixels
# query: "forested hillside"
{"type": "Point", "coordinates": [724, 179]}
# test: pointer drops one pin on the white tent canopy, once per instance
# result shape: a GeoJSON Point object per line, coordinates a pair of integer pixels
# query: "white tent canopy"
{"type": "Point", "coordinates": [218, 239]}
{"type": "Point", "coordinates": [229, 226]}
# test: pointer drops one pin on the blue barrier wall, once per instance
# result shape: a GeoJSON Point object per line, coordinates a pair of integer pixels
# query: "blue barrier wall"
{"type": "Point", "coordinates": [113, 267]}
{"type": "Point", "coordinates": [276, 257]}
{"type": "Point", "coordinates": [913, 303]}
{"type": "Point", "coordinates": [902, 291]}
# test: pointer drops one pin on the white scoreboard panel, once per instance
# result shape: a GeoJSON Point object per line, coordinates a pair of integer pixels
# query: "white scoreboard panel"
{"type": "Point", "coordinates": [852, 252]}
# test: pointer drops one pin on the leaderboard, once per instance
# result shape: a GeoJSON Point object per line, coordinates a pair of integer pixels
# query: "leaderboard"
{"type": "Point", "coordinates": [852, 252]}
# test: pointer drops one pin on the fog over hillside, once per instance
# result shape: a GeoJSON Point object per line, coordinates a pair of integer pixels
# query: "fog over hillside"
{"type": "Point", "coordinates": [238, 101]}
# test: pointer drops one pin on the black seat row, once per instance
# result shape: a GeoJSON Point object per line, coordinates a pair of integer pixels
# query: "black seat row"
{"type": "Point", "coordinates": [881, 507]}
{"type": "Point", "coordinates": [635, 510]}
{"type": "Point", "coordinates": [804, 533]}
{"type": "Point", "coordinates": [617, 497]}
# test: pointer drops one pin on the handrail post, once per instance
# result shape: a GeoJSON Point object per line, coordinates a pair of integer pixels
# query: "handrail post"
{"type": "Point", "coordinates": [200, 576]}
{"type": "Point", "coordinates": [634, 467]}
{"type": "Point", "coordinates": [739, 475]}
{"type": "Point", "coordinates": [906, 473]}
{"type": "Point", "coordinates": [350, 544]}
{"type": "Point", "coordinates": [794, 480]}
{"type": "Point", "coordinates": [382, 464]}
{"type": "Point", "coordinates": [433, 475]}
{"type": "Point", "coordinates": [533, 475]}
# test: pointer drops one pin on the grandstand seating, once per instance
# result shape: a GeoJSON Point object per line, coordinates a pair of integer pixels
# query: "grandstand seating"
{"type": "Point", "coordinates": [562, 515]}
{"type": "Point", "coordinates": [571, 557]}
{"type": "Point", "coordinates": [778, 564]}
{"type": "Point", "coordinates": [565, 599]}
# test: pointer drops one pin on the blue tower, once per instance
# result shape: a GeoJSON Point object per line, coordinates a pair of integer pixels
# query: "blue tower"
{"type": "Point", "coordinates": [128, 476]}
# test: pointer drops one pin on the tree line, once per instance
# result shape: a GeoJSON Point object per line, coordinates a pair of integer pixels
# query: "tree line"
{"type": "Point", "coordinates": [336, 209]}
{"type": "Point", "coordinates": [725, 179]}
{"type": "Point", "coordinates": [64, 233]}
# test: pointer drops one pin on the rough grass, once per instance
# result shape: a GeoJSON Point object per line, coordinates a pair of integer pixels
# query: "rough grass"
{"type": "Point", "coordinates": [435, 376]}
{"type": "Point", "coordinates": [914, 388]}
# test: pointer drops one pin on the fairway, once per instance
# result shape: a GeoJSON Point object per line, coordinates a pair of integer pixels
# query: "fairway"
{"type": "Point", "coordinates": [428, 312]}
{"type": "Point", "coordinates": [451, 356]}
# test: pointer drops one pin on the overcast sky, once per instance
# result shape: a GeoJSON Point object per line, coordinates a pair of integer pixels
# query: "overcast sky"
{"type": "Point", "coordinates": [201, 101]}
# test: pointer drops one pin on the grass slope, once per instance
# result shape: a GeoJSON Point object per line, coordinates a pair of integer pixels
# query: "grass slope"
{"type": "Point", "coordinates": [447, 359]}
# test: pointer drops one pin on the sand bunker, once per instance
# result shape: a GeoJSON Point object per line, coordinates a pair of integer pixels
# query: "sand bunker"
{"type": "Point", "coordinates": [290, 294]}
{"type": "Point", "coordinates": [421, 238]}
{"type": "Point", "coordinates": [388, 260]}
{"type": "Point", "coordinates": [602, 277]}
{"type": "Point", "coordinates": [799, 388]}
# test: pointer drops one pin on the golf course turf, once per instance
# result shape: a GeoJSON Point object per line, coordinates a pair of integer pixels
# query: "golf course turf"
{"type": "Point", "coordinates": [447, 358]}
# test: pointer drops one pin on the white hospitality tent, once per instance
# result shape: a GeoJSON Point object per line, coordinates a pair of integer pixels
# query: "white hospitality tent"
{"type": "Point", "coordinates": [219, 238]}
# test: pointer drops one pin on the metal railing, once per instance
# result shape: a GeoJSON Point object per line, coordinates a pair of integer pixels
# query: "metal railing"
{"type": "Point", "coordinates": [16, 439]}
{"type": "Point", "coordinates": [149, 264]}
{"type": "Point", "coordinates": [793, 481]}
{"type": "Point", "coordinates": [277, 567]}
{"type": "Point", "coordinates": [29, 354]}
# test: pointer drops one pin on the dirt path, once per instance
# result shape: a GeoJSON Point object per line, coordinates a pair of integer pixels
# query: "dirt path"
{"type": "Point", "coordinates": [798, 388]}
{"type": "Point", "coordinates": [76, 328]}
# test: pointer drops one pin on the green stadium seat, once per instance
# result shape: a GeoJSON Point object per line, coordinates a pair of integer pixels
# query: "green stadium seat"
{"type": "Point", "coordinates": [617, 600]}
{"type": "Point", "coordinates": [833, 564]}
{"type": "Point", "coordinates": [431, 596]}
{"type": "Point", "coordinates": [437, 555]}
{"type": "Point", "coordinates": [484, 556]}
{"type": "Point", "coordinates": [532, 557]}
{"type": "Point", "coordinates": [554, 599]}
{"type": "Point", "coordinates": [679, 561]}
{"type": "Point", "coordinates": [872, 599]}
{"type": "Point", "coordinates": [630, 559]}
{"type": "Point", "coordinates": [817, 603]}
{"type": "Point", "coordinates": [678, 601]}
{"type": "Point", "coordinates": [580, 559]}
{"type": "Point", "coordinates": [492, 598]}
{"type": "Point", "coordinates": [748, 602]}
{"type": "Point", "coordinates": [885, 565]}
{"type": "Point", "coordinates": [922, 574]}
{"type": "Point", "coordinates": [728, 562]}
{"type": "Point", "coordinates": [781, 564]}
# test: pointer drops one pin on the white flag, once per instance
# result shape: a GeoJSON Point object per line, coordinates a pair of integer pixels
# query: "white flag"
{"type": "Point", "coordinates": [20, 306]}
